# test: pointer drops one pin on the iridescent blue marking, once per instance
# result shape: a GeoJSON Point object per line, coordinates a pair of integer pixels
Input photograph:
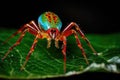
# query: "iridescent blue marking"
{"type": "Point", "coordinates": [45, 23]}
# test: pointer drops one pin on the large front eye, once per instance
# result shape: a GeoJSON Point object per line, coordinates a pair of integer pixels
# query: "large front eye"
{"type": "Point", "coordinates": [53, 31]}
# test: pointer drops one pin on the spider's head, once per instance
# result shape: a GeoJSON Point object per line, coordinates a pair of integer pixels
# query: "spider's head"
{"type": "Point", "coordinates": [53, 32]}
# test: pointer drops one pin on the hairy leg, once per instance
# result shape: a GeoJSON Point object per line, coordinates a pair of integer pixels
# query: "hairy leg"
{"type": "Point", "coordinates": [77, 28]}
{"type": "Point", "coordinates": [14, 34]}
{"type": "Point", "coordinates": [17, 43]}
{"type": "Point", "coordinates": [64, 51]}
{"type": "Point", "coordinates": [30, 25]}
{"type": "Point", "coordinates": [22, 30]}
{"type": "Point", "coordinates": [80, 45]}
{"type": "Point", "coordinates": [70, 32]}
{"type": "Point", "coordinates": [30, 52]}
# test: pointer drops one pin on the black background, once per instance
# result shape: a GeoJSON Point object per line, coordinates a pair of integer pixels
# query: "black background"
{"type": "Point", "coordinates": [92, 16]}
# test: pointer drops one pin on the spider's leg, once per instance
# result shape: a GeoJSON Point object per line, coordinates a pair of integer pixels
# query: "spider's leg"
{"type": "Point", "coordinates": [32, 23]}
{"type": "Point", "coordinates": [30, 52]}
{"type": "Point", "coordinates": [77, 28]}
{"type": "Point", "coordinates": [64, 51]}
{"type": "Point", "coordinates": [17, 43]}
{"type": "Point", "coordinates": [22, 30]}
{"type": "Point", "coordinates": [14, 34]}
{"type": "Point", "coordinates": [70, 32]}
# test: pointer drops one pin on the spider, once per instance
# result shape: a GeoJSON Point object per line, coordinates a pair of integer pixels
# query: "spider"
{"type": "Point", "coordinates": [49, 27]}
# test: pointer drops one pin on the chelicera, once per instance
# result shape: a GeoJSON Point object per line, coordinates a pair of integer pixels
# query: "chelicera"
{"type": "Point", "coordinates": [49, 27]}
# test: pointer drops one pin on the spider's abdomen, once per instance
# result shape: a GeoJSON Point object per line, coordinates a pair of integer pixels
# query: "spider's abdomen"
{"type": "Point", "coordinates": [49, 20]}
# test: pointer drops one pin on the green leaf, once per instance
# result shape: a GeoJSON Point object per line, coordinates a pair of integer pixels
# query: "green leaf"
{"type": "Point", "coordinates": [46, 63]}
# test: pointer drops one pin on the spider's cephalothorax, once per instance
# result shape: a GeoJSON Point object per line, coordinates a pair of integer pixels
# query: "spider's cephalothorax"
{"type": "Point", "coordinates": [51, 23]}
{"type": "Point", "coordinates": [49, 26]}
{"type": "Point", "coordinates": [49, 20]}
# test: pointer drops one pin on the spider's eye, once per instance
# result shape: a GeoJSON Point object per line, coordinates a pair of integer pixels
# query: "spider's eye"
{"type": "Point", "coordinates": [53, 31]}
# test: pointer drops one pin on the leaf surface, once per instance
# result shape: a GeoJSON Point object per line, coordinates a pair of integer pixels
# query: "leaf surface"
{"type": "Point", "coordinates": [45, 63]}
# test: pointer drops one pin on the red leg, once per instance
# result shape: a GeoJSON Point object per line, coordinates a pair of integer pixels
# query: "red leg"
{"type": "Point", "coordinates": [14, 34]}
{"type": "Point", "coordinates": [22, 30]}
{"type": "Point", "coordinates": [33, 29]}
{"type": "Point", "coordinates": [71, 25]}
{"type": "Point", "coordinates": [80, 46]}
{"type": "Point", "coordinates": [17, 43]}
{"type": "Point", "coordinates": [30, 52]}
{"type": "Point", "coordinates": [33, 24]}
{"type": "Point", "coordinates": [68, 33]}
{"type": "Point", "coordinates": [64, 51]}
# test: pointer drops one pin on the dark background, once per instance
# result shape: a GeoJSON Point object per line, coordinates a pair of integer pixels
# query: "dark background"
{"type": "Point", "coordinates": [92, 16]}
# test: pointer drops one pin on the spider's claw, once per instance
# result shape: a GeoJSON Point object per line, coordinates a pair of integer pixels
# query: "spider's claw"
{"type": "Point", "coordinates": [48, 46]}
{"type": "Point", "coordinates": [2, 59]}
{"type": "Point", "coordinates": [49, 43]}
{"type": "Point", "coordinates": [56, 44]}
{"type": "Point", "coordinates": [21, 68]}
{"type": "Point", "coordinates": [96, 54]}
{"type": "Point", "coordinates": [57, 47]}
{"type": "Point", "coordinates": [7, 54]}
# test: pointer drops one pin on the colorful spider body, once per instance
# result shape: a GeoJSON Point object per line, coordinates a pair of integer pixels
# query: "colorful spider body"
{"type": "Point", "coordinates": [49, 26]}
{"type": "Point", "coordinates": [51, 23]}
{"type": "Point", "coordinates": [49, 20]}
